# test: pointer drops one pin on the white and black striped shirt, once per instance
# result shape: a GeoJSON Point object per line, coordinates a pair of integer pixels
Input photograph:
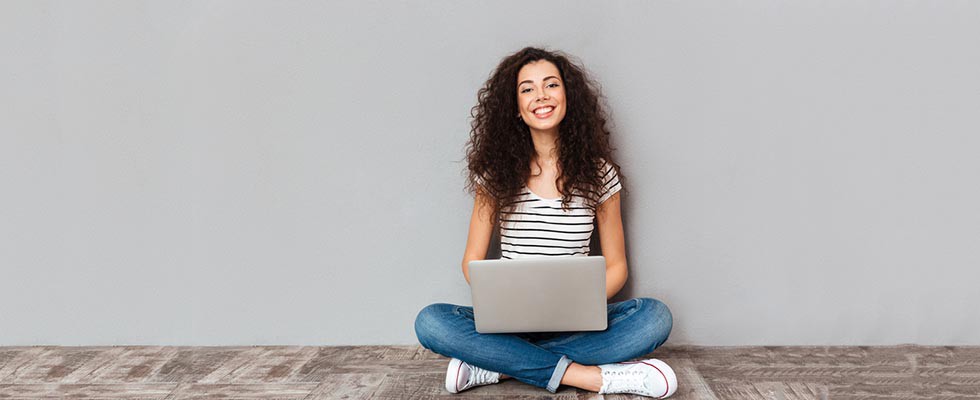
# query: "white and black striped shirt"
{"type": "Point", "coordinates": [540, 227]}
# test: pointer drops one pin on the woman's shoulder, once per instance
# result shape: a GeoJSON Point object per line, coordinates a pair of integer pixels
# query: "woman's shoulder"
{"type": "Point", "coordinates": [610, 181]}
{"type": "Point", "coordinates": [604, 165]}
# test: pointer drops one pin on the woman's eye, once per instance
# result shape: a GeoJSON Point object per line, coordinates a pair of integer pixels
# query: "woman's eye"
{"type": "Point", "coordinates": [525, 90]}
{"type": "Point", "coordinates": [555, 85]}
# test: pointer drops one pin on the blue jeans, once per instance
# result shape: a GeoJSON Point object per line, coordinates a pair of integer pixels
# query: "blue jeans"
{"type": "Point", "coordinates": [635, 328]}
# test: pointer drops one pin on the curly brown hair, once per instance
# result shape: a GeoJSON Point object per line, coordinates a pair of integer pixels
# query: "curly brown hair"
{"type": "Point", "coordinates": [500, 148]}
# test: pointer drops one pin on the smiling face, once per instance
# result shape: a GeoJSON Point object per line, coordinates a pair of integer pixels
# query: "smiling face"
{"type": "Point", "coordinates": [541, 89]}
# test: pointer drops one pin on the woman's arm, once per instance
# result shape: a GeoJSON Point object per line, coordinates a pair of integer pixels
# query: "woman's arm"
{"type": "Point", "coordinates": [613, 243]}
{"type": "Point", "coordinates": [481, 229]}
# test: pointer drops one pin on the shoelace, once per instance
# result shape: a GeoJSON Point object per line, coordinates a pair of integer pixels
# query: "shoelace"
{"type": "Point", "coordinates": [480, 376]}
{"type": "Point", "coordinates": [624, 381]}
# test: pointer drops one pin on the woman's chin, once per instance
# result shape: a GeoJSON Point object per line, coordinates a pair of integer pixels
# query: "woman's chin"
{"type": "Point", "coordinates": [544, 126]}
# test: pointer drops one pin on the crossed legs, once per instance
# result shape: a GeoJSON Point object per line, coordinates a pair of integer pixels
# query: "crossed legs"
{"type": "Point", "coordinates": [635, 328]}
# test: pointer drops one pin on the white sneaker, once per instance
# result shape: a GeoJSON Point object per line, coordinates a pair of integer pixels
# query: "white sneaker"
{"type": "Point", "coordinates": [461, 376]}
{"type": "Point", "coordinates": [650, 377]}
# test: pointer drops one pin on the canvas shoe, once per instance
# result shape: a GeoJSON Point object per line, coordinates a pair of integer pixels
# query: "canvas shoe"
{"type": "Point", "coordinates": [650, 377]}
{"type": "Point", "coordinates": [461, 376]}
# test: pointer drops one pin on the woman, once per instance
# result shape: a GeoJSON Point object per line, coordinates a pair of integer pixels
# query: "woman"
{"type": "Point", "coordinates": [540, 166]}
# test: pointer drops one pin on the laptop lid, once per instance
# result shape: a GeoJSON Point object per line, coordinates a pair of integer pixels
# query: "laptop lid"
{"type": "Point", "coordinates": [539, 294]}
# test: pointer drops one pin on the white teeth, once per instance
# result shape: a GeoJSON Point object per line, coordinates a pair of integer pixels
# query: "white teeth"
{"type": "Point", "coordinates": [542, 111]}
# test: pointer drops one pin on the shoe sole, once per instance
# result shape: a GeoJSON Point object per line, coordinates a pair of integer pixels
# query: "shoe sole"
{"type": "Point", "coordinates": [452, 375]}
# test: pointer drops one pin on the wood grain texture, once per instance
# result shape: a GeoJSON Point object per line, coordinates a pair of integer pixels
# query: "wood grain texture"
{"type": "Point", "coordinates": [413, 372]}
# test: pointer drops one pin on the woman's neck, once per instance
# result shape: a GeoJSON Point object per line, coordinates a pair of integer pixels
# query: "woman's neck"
{"type": "Point", "coordinates": [545, 145]}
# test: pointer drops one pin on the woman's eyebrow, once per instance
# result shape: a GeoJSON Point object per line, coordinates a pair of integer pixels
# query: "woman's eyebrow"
{"type": "Point", "coordinates": [529, 81]}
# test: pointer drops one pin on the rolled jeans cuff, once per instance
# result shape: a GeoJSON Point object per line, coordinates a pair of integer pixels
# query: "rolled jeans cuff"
{"type": "Point", "coordinates": [559, 373]}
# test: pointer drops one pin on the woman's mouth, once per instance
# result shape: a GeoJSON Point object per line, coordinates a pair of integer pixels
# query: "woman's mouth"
{"type": "Point", "coordinates": [544, 112]}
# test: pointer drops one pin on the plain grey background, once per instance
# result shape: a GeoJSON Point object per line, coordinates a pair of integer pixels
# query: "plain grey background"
{"type": "Point", "coordinates": [245, 172]}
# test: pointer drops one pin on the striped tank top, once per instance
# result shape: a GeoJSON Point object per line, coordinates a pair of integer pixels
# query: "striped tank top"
{"type": "Point", "coordinates": [540, 227]}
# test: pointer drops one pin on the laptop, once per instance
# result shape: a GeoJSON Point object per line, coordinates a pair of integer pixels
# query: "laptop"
{"type": "Point", "coordinates": [539, 294]}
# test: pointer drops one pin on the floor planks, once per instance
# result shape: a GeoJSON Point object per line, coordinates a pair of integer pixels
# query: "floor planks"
{"type": "Point", "coordinates": [413, 372]}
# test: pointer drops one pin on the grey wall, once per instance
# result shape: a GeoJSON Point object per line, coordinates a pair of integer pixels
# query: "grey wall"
{"type": "Point", "coordinates": [224, 173]}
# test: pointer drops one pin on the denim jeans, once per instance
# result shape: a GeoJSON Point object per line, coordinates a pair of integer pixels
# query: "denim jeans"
{"type": "Point", "coordinates": [635, 328]}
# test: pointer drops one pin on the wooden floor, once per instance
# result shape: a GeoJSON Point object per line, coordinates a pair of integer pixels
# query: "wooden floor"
{"type": "Point", "coordinates": [412, 372]}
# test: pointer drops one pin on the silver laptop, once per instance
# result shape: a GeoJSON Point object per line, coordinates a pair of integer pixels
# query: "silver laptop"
{"type": "Point", "coordinates": [539, 294]}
